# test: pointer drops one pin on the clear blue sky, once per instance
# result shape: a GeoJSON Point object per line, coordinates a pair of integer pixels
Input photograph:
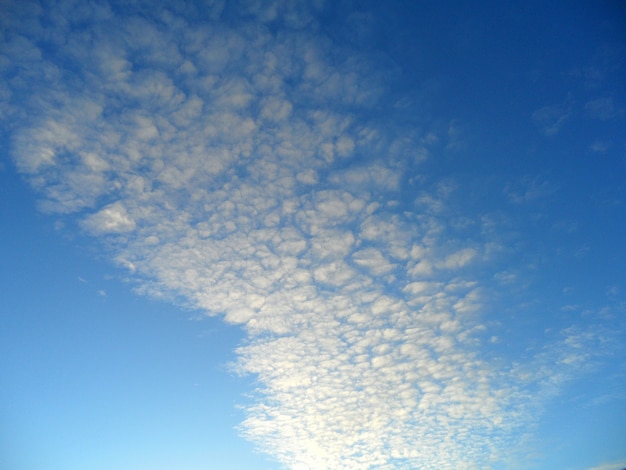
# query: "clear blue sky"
{"type": "Point", "coordinates": [312, 235]}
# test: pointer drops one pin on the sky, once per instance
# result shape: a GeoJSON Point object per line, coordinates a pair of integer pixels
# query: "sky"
{"type": "Point", "coordinates": [312, 235]}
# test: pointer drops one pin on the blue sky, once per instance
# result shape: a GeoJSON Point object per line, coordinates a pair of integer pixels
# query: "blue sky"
{"type": "Point", "coordinates": [312, 235]}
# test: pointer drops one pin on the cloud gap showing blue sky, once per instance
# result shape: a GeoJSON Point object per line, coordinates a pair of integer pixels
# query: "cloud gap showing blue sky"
{"type": "Point", "coordinates": [415, 213]}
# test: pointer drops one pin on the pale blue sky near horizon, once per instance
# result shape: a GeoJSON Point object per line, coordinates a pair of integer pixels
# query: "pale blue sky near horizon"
{"type": "Point", "coordinates": [312, 235]}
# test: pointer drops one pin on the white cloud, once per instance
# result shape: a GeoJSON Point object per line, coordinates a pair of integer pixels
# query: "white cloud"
{"type": "Point", "coordinates": [602, 109]}
{"type": "Point", "coordinates": [249, 178]}
{"type": "Point", "coordinates": [111, 219]}
{"type": "Point", "coordinates": [550, 119]}
{"type": "Point", "coordinates": [373, 260]}
{"type": "Point", "coordinates": [529, 189]}
{"type": "Point", "coordinates": [458, 259]}
{"type": "Point", "coordinates": [599, 146]}
{"type": "Point", "coordinates": [611, 466]}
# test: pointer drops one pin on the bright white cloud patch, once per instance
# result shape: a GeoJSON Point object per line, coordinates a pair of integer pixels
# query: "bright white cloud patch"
{"type": "Point", "coordinates": [111, 219]}
{"type": "Point", "coordinates": [240, 167]}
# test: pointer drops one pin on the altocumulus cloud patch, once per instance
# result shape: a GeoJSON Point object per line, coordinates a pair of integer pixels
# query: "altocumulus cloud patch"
{"type": "Point", "coordinates": [245, 163]}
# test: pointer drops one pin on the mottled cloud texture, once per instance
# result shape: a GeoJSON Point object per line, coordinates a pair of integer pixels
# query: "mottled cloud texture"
{"type": "Point", "coordinates": [244, 163]}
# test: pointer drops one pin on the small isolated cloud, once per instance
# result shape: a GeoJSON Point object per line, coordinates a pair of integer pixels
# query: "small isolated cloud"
{"type": "Point", "coordinates": [455, 137]}
{"type": "Point", "coordinates": [529, 189]}
{"type": "Point", "coordinates": [550, 119]}
{"type": "Point", "coordinates": [599, 146]}
{"type": "Point", "coordinates": [602, 109]}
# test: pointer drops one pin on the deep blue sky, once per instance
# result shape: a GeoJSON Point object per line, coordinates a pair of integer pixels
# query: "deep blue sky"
{"type": "Point", "coordinates": [312, 235]}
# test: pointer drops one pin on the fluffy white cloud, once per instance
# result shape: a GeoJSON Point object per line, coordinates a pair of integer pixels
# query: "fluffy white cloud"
{"type": "Point", "coordinates": [111, 219]}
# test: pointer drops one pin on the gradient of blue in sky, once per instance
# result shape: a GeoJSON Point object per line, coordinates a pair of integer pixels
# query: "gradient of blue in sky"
{"type": "Point", "coordinates": [312, 235]}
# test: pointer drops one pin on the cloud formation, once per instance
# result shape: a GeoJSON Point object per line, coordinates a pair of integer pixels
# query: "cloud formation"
{"type": "Point", "coordinates": [550, 119]}
{"type": "Point", "coordinates": [245, 167]}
